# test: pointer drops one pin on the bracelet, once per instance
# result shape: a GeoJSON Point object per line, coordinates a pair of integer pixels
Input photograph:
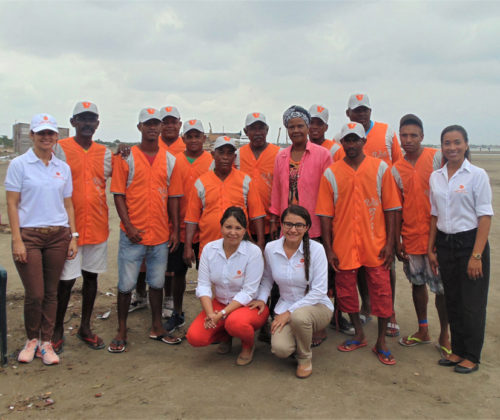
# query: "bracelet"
{"type": "Point", "coordinates": [224, 314]}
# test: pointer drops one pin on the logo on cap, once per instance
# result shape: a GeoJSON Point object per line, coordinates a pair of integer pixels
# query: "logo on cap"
{"type": "Point", "coordinates": [45, 118]}
{"type": "Point", "coordinates": [192, 122]}
{"type": "Point", "coordinates": [227, 138]}
{"type": "Point", "coordinates": [359, 97]}
{"type": "Point", "coordinates": [256, 114]}
{"type": "Point", "coordinates": [351, 125]}
{"type": "Point", "coordinates": [151, 111]}
{"type": "Point", "coordinates": [461, 187]}
{"type": "Point", "coordinates": [320, 109]}
{"type": "Point", "coordinates": [168, 108]}
{"type": "Point", "coordinates": [86, 104]}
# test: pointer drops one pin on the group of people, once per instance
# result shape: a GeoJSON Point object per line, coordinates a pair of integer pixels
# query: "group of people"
{"type": "Point", "coordinates": [276, 235]}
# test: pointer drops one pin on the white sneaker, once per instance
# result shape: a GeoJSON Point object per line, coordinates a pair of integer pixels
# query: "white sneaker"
{"type": "Point", "coordinates": [49, 356]}
{"type": "Point", "coordinates": [168, 307]}
{"type": "Point", "coordinates": [27, 354]}
{"type": "Point", "coordinates": [137, 302]}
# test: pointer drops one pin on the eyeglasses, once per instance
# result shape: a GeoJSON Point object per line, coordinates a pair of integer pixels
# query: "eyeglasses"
{"type": "Point", "coordinates": [298, 226]}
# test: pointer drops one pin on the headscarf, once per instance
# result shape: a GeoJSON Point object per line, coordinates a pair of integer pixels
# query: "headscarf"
{"type": "Point", "coordinates": [296, 111]}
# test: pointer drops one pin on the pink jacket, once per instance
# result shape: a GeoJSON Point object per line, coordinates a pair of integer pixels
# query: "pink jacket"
{"type": "Point", "coordinates": [314, 162]}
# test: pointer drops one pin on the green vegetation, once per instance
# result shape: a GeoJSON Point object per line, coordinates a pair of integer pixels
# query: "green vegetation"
{"type": "Point", "coordinates": [6, 142]}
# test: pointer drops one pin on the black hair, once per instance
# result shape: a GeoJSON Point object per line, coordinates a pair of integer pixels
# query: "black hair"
{"type": "Point", "coordinates": [239, 215]}
{"type": "Point", "coordinates": [464, 134]}
{"type": "Point", "coordinates": [302, 212]}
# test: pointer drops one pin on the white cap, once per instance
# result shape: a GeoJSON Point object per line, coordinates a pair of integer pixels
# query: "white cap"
{"type": "Point", "coordinates": [223, 140]}
{"type": "Point", "coordinates": [254, 117]}
{"type": "Point", "coordinates": [41, 122]}
{"type": "Point", "coordinates": [357, 100]}
{"type": "Point", "coordinates": [192, 125]}
{"type": "Point", "coordinates": [83, 106]}
{"type": "Point", "coordinates": [353, 128]}
{"type": "Point", "coordinates": [319, 111]}
{"type": "Point", "coordinates": [169, 111]}
{"type": "Point", "coordinates": [147, 114]}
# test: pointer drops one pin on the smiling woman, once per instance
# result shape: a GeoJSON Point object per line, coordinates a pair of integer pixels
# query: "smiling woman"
{"type": "Point", "coordinates": [41, 216]}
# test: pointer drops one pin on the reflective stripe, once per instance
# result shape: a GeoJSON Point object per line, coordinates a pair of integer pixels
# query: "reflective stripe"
{"type": "Point", "coordinates": [59, 152]}
{"type": "Point", "coordinates": [170, 166]}
{"type": "Point", "coordinates": [108, 168]}
{"type": "Point", "coordinates": [131, 168]}
{"type": "Point", "coordinates": [397, 178]}
{"type": "Point", "coordinates": [237, 159]}
{"type": "Point", "coordinates": [200, 188]}
{"type": "Point", "coordinates": [333, 182]}
{"type": "Point", "coordinates": [389, 136]}
{"type": "Point", "coordinates": [334, 149]}
{"type": "Point", "coordinates": [246, 188]}
{"type": "Point", "coordinates": [437, 160]}
{"type": "Point", "coordinates": [380, 174]}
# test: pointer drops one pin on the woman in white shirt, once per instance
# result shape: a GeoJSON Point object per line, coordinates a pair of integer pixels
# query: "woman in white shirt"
{"type": "Point", "coordinates": [300, 269]}
{"type": "Point", "coordinates": [41, 216]}
{"type": "Point", "coordinates": [461, 211]}
{"type": "Point", "coordinates": [232, 268]}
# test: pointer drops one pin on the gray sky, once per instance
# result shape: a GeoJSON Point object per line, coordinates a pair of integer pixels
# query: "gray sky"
{"type": "Point", "coordinates": [217, 61]}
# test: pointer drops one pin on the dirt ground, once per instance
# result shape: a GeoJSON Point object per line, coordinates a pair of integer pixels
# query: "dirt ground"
{"type": "Point", "coordinates": [153, 380]}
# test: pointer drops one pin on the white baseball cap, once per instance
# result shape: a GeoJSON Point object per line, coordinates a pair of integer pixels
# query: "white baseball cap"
{"type": "Point", "coordinates": [223, 140]}
{"type": "Point", "coordinates": [147, 114]}
{"type": "Point", "coordinates": [319, 111]}
{"type": "Point", "coordinates": [85, 106]}
{"type": "Point", "coordinates": [254, 117]}
{"type": "Point", "coordinates": [169, 111]}
{"type": "Point", "coordinates": [357, 100]}
{"type": "Point", "coordinates": [353, 128]}
{"type": "Point", "coordinates": [41, 122]}
{"type": "Point", "coordinates": [192, 125]}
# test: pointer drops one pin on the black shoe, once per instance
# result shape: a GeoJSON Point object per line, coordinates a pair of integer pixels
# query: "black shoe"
{"type": "Point", "coordinates": [346, 327]}
{"type": "Point", "coordinates": [174, 322]}
{"type": "Point", "coordinates": [463, 369]}
{"type": "Point", "coordinates": [447, 362]}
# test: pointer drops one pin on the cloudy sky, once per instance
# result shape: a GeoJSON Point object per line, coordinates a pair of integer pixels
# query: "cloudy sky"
{"type": "Point", "coordinates": [217, 61]}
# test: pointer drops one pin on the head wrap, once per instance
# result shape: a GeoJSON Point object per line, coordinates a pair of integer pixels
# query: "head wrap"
{"type": "Point", "coordinates": [296, 111]}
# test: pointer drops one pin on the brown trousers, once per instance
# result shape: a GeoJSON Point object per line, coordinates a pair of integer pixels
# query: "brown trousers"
{"type": "Point", "coordinates": [46, 254]}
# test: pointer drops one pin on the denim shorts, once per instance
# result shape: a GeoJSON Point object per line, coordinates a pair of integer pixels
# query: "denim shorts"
{"type": "Point", "coordinates": [130, 256]}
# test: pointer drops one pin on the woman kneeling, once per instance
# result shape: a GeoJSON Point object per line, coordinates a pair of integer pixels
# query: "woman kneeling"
{"type": "Point", "coordinates": [300, 269]}
{"type": "Point", "coordinates": [232, 267]}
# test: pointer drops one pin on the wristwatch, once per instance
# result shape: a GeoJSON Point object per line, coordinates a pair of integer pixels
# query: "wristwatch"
{"type": "Point", "coordinates": [75, 235]}
{"type": "Point", "coordinates": [224, 314]}
{"type": "Point", "coordinates": [476, 256]}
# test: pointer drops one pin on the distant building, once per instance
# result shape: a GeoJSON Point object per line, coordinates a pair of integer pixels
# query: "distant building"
{"type": "Point", "coordinates": [22, 139]}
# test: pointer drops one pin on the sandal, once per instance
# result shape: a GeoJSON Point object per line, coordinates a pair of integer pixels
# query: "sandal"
{"type": "Point", "coordinates": [385, 357]}
{"type": "Point", "coordinates": [392, 329]}
{"type": "Point", "coordinates": [117, 346]}
{"type": "Point", "coordinates": [166, 338]}
{"type": "Point", "coordinates": [95, 342]}
{"type": "Point", "coordinates": [351, 345]}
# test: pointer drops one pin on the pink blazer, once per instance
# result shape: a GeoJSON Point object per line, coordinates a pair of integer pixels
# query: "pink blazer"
{"type": "Point", "coordinates": [314, 162]}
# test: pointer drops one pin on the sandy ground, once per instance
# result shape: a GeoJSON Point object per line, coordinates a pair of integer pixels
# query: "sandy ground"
{"type": "Point", "coordinates": [153, 380]}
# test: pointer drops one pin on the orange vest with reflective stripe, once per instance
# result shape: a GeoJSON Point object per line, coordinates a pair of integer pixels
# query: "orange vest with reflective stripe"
{"type": "Point", "coordinates": [175, 148]}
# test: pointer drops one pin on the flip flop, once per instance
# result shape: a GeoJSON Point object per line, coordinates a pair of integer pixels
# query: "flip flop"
{"type": "Point", "coordinates": [92, 342]}
{"type": "Point", "coordinates": [117, 346]}
{"type": "Point", "coordinates": [351, 345]}
{"type": "Point", "coordinates": [164, 339]}
{"type": "Point", "coordinates": [383, 356]}
{"type": "Point", "coordinates": [413, 341]}
{"type": "Point", "coordinates": [58, 347]}
{"type": "Point", "coordinates": [392, 329]}
{"type": "Point", "coordinates": [317, 341]}
{"type": "Point", "coordinates": [443, 351]}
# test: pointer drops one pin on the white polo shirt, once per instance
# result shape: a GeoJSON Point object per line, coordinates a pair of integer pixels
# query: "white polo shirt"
{"type": "Point", "coordinates": [290, 277]}
{"type": "Point", "coordinates": [459, 202]}
{"type": "Point", "coordinates": [234, 278]}
{"type": "Point", "coordinates": [43, 189]}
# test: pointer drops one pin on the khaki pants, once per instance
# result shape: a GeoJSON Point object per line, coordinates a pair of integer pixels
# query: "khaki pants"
{"type": "Point", "coordinates": [296, 336]}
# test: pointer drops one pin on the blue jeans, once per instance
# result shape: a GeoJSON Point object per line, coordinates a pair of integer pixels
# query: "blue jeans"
{"type": "Point", "coordinates": [130, 256]}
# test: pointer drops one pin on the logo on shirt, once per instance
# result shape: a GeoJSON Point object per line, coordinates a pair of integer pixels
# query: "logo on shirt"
{"type": "Point", "coordinates": [461, 189]}
{"type": "Point", "coordinates": [239, 275]}
{"type": "Point", "coordinates": [372, 204]}
{"type": "Point", "coordinates": [58, 175]}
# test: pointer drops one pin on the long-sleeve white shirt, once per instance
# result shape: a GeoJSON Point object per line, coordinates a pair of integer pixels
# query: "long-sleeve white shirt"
{"type": "Point", "coordinates": [234, 278]}
{"type": "Point", "coordinates": [290, 277]}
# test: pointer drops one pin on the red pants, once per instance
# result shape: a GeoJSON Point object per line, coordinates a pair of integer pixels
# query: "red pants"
{"type": "Point", "coordinates": [240, 323]}
{"type": "Point", "coordinates": [379, 289]}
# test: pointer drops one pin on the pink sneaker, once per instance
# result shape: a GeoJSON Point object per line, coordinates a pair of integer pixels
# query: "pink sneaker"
{"type": "Point", "coordinates": [49, 356]}
{"type": "Point", "coordinates": [27, 354]}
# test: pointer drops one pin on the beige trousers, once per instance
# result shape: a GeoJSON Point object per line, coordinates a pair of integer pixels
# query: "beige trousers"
{"type": "Point", "coordinates": [296, 336]}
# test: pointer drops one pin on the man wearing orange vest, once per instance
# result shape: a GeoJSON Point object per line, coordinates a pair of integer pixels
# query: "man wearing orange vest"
{"type": "Point", "coordinates": [382, 143]}
{"type": "Point", "coordinates": [146, 189]}
{"type": "Point", "coordinates": [90, 165]}
{"type": "Point", "coordinates": [318, 128]}
{"type": "Point", "coordinates": [412, 175]}
{"type": "Point", "coordinates": [214, 192]}
{"type": "Point", "coordinates": [191, 164]}
{"type": "Point", "coordinates": [357, 202]}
